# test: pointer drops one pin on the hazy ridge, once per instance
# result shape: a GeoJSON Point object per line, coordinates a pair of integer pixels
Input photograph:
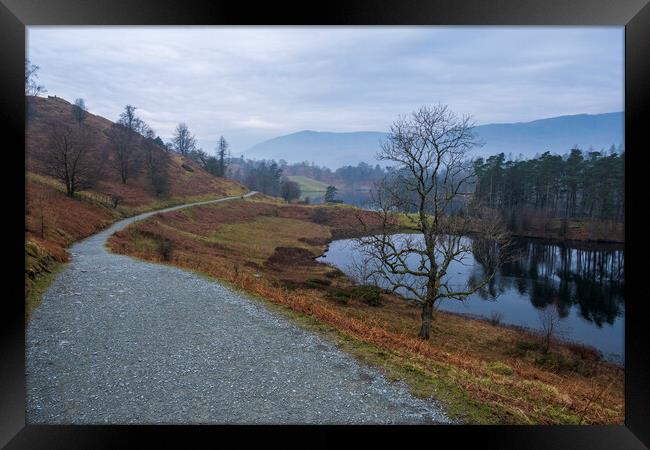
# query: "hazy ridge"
{"type": "Point", "coordinates": [556, 134]}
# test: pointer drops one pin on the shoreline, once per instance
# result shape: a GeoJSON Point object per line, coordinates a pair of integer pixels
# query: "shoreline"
{"type": "Point", "coordinates": [619, 361]}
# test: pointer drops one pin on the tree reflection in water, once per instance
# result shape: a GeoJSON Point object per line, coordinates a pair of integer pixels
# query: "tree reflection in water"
{"type": "Point", "coordinates": [589, 276]}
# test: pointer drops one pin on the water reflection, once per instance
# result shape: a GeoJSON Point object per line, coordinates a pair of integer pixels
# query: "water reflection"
{"type": "Point", "coordinates": [591, 278]}
{"type": "Point", "coordinates": [585, 282]}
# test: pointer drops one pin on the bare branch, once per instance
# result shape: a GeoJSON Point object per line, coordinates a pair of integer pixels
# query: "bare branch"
{"type": "Point", "coordinates": [426, 190]}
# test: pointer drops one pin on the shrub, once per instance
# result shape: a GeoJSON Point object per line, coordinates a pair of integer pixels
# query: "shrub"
{"type": "Point", "coordinates": [334, 274]}
{"type": "Point", "coordinates": [584, 352]}
{"type": "Point", "coordinates": [339, 295]}
{"type": "Point", "coordinates": [528, 345]}
{"type": "Point", "coordinates": [368, 294]}
{"type": "Point", "coordinates": [316, 283]}
{"type": "Point", "coordinates": [551, 361]}
{"type": "Point", "coordinates": [115, 201]}
{"type": "Point", "coordinates": [500, 368]}
{"type": "Point", "coordinates": [289, 285]}
{"type": "Point", "coordinates": [165, 249]}
{"type": "Point", "coordinates": [550, 321]}
{"type": "Point", "coordinates": [515, 352]}
{"type": "Point", "coordinates": [320, 216]}
{"type": "Point", "coordinates": [558, 363]}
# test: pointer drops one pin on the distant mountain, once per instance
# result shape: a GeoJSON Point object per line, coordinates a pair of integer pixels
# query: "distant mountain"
{"type": "Point", "coordinates": [323, 148]}
{"type": "Point", "coordinates": [556, 134]}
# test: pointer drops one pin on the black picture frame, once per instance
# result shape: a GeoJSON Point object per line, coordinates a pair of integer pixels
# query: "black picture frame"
{"type": "Point", "coordinates": [15, 15]}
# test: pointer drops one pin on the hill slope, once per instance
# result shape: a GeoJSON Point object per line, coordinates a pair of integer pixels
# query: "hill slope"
{"type": "Point", "coordinates": [137, 192]}
{"type": "Point", "coordinates": [53, 220]}
{"type": "Point", "coordinates": [557, 134]}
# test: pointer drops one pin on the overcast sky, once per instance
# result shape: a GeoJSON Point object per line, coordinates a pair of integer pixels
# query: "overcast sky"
{"type": "Point", "coordinates": [252, 83]}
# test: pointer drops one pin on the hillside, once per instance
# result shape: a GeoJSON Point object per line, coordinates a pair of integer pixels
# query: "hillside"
{"type": "Point", "coordinates": [557, 134]}
{"type": "Point", "coordinates": [53, 220]}
{"type": "Point", "coordinates": [47, 112]}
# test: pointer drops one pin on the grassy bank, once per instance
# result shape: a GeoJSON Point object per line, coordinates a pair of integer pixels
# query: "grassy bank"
{"type": "Point", "coordinates": [35, 287]}
{"type": "Point", "coordinates": [483, 373]}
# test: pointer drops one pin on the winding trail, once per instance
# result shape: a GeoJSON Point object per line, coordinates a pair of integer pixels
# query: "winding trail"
{"type": "Point", "coordinates": [118, 340]}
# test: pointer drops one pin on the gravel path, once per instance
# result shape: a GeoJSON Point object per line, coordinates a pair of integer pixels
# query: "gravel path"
{"type": "Point", "coordinates": [117, 340]}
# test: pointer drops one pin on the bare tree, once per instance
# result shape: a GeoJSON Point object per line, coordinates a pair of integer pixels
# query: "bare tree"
{"type": "Point", "coordinates": [67, 157]}
{"type": "Point", "coordinates": [124, 136]}
{"type": "Point", "coordinates": [363, 270]}
{"type": "Point", "coordinates": [121, 146]}
{"type": "Point", "coordinates": [40, 207]}
{"type": "Point", "coordinates": [156, 161]}
{"type": "Point", "coordinates": [431, 175]}
{"type": "Point", "coordinates": [131, 122]}
{"type": "Point", "coordinates": [549, 319]}
{"type": "Point", "coordinates": [79, 111]}
{"type": "Point", "coordinates": [183, 141]}
{"type": "Point", "coordinates": [31, 80]}
{"type": "Point", "coordinates": [199, 156]}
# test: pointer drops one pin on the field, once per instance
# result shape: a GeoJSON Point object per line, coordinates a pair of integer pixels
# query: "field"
{"type": "Point", "coordinates": [308, 184]}
{"type": "Point", "coordinates": [483, 373]}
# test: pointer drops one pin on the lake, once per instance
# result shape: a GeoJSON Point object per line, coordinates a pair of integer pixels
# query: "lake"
{"type": "Point", "coordinates": [585, 281]}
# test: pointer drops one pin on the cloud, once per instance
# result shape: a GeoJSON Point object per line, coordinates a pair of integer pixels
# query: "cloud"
{"type": "Point", "coordinates": [253, 83]}
{"type": "Point", "coordinates": [256, 122]}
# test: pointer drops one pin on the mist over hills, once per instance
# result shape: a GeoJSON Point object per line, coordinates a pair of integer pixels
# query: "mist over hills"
{"type": "Point", "coordinates": [556, 134]}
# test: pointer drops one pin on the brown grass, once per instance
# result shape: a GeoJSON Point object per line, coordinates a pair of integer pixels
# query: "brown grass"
{"type": "Point", "coordinates": [485, 373]}
{"type": "Point", "coordinates": [137, 193]}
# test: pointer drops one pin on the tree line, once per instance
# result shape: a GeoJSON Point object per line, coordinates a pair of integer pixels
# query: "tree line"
{"type": "Point", "coordinates": [265, 176]}
{"type": "Point", "coordinates": [131, 148]}
{"type": "Point", "coordinates": [361, 175]}
{"type": "Point", "coordinates": [577, 185]}
{"type": "Point", "coordinates": [184, 143]}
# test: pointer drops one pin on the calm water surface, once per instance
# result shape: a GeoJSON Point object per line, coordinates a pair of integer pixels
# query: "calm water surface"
{"type": "Point", "coordinates": [586, 282]}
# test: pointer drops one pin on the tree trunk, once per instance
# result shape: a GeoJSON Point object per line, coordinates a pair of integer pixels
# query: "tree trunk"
{"type": "Point", "coordinates": [427, 318]}
{"type": "Point", "coordinates": [42, 223]}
